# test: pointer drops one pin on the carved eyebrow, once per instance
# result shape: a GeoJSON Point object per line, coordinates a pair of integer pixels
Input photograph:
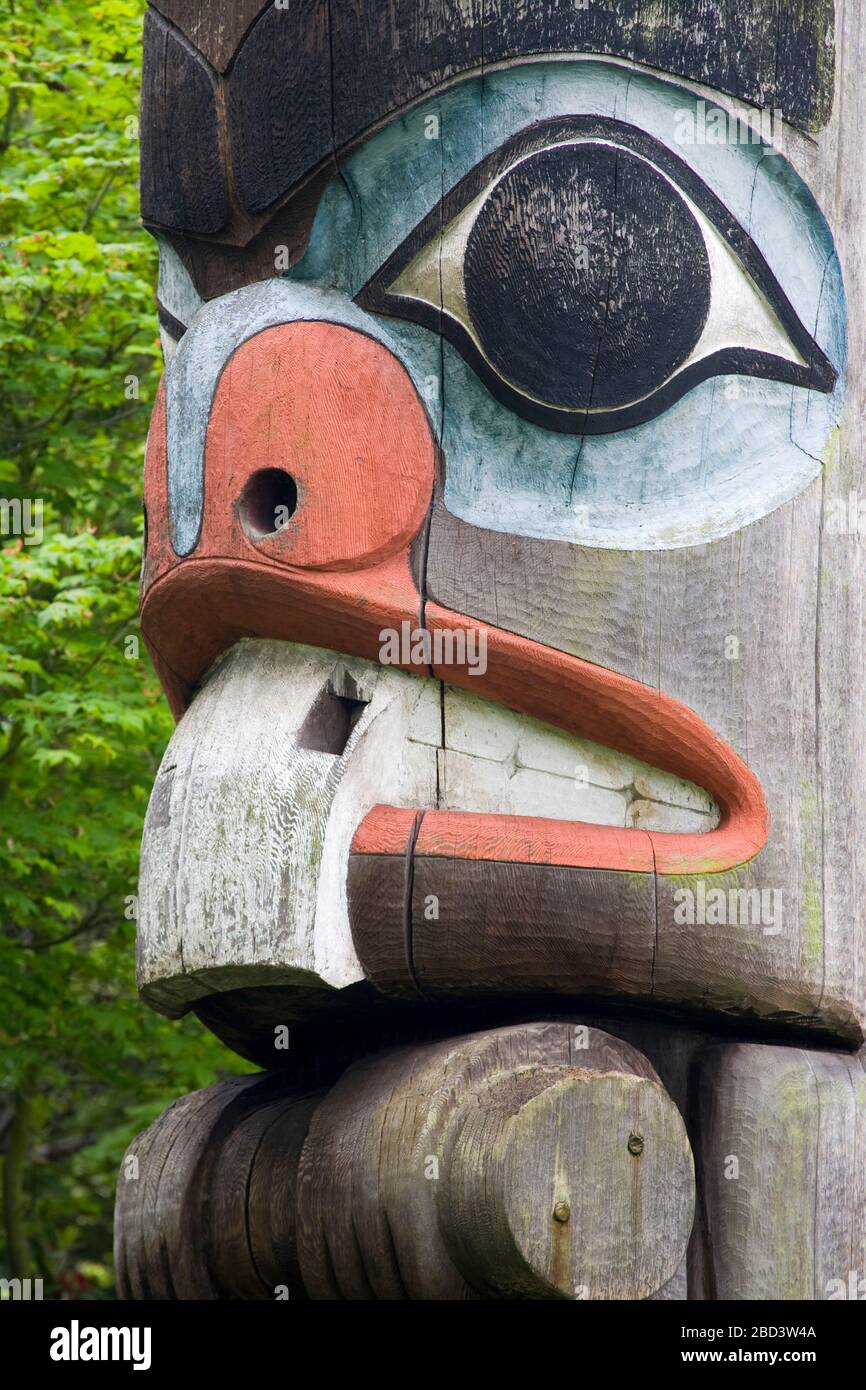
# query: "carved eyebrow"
{"type": "Point", "coordinates": [290, 89]}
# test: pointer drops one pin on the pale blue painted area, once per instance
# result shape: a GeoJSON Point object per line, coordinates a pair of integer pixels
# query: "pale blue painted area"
{"type": "Point", "coordinates": [360, 222]}
{"type": "Point", "coordinates": [727, 453]}
{"type": "Point", "coordinates": [175, 289]}
{"type": "Point", "coordinates": [205, 350]}
{"type": "Point", "coordinates": [633, 490]}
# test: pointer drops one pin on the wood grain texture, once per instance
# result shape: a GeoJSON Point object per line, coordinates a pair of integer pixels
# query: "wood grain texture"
{"type": "Point", "coordinates": [252, 1215]}
{"type": "Point", "coordinates": [782, 1174]}
{"type": "Point", "coordinates": [484, 928]}
{"type": "Point", "coordinates": [386, 55]}
{"type": "Point", "coordinates": [597, 938]}
{"type": "Point", "coordinates": [279, 102]}
{"type": "Point", "coordinates": [378, 888]}
{"type": "Point", "coordinates": [789, 589]}
{"type": "Point", "coordinates": [281, 67]}
{"type": "Point", "coordinates": [217, 267]}
{"type": "Point", "coordinates": [532, 679]}
{"type": "Point", "coordinates": [215, 27]}
{"type": "Point", "coordinates": [491, 928]}
{"type": "Point", "coordinates": [772, 55]}
{"type": "Point", "coordinates": [434, 1172]}
{"type": "Point", "coordinates": [337, 412]}
{"type": "Point", "coordinates": [245, 847]}
{"type": "Point", "coordinates": [214, 1212]}
{"type": "Point", "coordinates": [210, 1213]}
{"type": "Point", "coordinates": [597, 704]}
{"type": "Point", "coordinates": [429, 1171]}
{"type": "Point", "coordinates": [587, 278]}
{"type": "Point", "coordinates": [839, 179]}
{"type": "Point", "coordinates": [575, 282]}
{"type": "Point", "coordinates": [671, 1048]}
{"type": "Point", "coordinates": [256, 593]}
{"type": "Point", "coordinates": [260, 1185]}
{"type": "Point", "coordinates": [182, 175]}
{"type": "Point", "coordinates": [615, 1132]}
{"type": "Point", "coordinates": [665, 619]}
{"type": "Point", "coordinates": [201, 609]}
{"type": "Point", "coordinates": [155, 1257]}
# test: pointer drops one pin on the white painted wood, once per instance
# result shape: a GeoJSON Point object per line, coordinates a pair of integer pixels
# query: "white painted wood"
{"type": "Point", "coordinates": [175, 289]}
{"type": "Point", "coordinates": [246, 844]}
{"type": "Point", "coordinates": [247, 835]}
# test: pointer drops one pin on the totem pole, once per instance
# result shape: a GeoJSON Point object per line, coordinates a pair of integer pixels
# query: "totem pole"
{"type": "Point", "coordinates": [504, 574]}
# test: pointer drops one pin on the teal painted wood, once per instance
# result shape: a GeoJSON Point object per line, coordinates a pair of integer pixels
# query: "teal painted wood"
{"type": "Point", "coordinates": [729, 452]}
{"type": "Point", "coordinates": [175, 290]}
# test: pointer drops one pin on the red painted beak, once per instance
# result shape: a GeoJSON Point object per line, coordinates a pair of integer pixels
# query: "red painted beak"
{"type": "Point", "coordinates": [336, 412]}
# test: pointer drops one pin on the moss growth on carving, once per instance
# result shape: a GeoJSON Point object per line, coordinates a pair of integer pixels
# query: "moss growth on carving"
{"type": "Point", "coordinates": [812, 922]}
{"type": "Point", "coordinates": [791, 1254]}
{"type": "Point", "coordinates": [831, 452]}
{"type": "Point", "coordinates": [825, 57]}
{"type": "Point", "coordinates": [812, 909]}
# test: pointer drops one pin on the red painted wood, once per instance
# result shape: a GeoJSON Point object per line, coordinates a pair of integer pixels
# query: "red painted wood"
{"type": "Point", "coordinates": [340, 414]}
{"type": "Point", "coordinates": [533, 840]}
{"type": "Point", "coordinates": [386, 830]}
{"type": "Point", "coordinates": [337, 411]}
{"type": "Point", "coordinates": [200, 608]}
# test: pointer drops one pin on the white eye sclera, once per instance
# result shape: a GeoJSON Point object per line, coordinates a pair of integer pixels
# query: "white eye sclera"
{"type": "Point", "coordinates": [591, 279]}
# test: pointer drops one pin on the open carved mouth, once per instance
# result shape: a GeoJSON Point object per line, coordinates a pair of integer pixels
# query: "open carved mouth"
{"type": "Point", "coordinates": [434, 828]}
{"type": "Point", "coordinates": [296, 770]}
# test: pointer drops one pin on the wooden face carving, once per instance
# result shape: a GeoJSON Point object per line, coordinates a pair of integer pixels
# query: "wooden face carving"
{"type": "Point", "coordinates": [490, 502]}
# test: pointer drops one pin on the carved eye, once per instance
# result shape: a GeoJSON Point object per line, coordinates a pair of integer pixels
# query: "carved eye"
{"type": "Point", "coordinates": [591, 279]}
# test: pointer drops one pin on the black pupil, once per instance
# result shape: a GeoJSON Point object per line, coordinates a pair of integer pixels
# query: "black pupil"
{"type": "Point", "coordinates": [587, 277]}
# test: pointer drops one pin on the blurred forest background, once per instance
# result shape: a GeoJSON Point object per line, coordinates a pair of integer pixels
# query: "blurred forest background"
{"type": "Point", "coordinates": [83, 1065]}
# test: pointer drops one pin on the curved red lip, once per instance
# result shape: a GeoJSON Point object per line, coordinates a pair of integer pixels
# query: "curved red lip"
{"type": "Point", "coordinates": [340, 575]}
{"type": "Point", "coordinates": [593, 703]}
{"type": "Point", "coordinates": [588, 702]}
{"type": "Point", "coordinates": [201, 607]}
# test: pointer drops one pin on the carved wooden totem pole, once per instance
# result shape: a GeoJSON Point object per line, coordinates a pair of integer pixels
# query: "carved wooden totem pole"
{"type": "Point", "coordinates": [504, 574]}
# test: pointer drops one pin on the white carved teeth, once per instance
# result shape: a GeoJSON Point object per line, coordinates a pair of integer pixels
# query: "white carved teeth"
{"type": "Point", "coordinates": [280, 756]}
{"type": "Point", "coordinates": [493, 760]}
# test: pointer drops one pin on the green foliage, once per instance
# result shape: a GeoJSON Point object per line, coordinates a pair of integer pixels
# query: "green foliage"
{"type": "Point", "coordinates": [83, 1065]}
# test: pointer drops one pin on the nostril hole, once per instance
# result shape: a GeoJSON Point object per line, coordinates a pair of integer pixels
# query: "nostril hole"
{"type": "Point", "coordinates": [329, 723]}
{"type": "Point", "coordinates": [268, 500]}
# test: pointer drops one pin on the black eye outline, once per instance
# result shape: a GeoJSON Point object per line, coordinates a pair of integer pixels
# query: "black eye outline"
{"type": "Point", "coordinates": [818, 373]}
{"type": "Point", "coordinates": [173, 327]}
